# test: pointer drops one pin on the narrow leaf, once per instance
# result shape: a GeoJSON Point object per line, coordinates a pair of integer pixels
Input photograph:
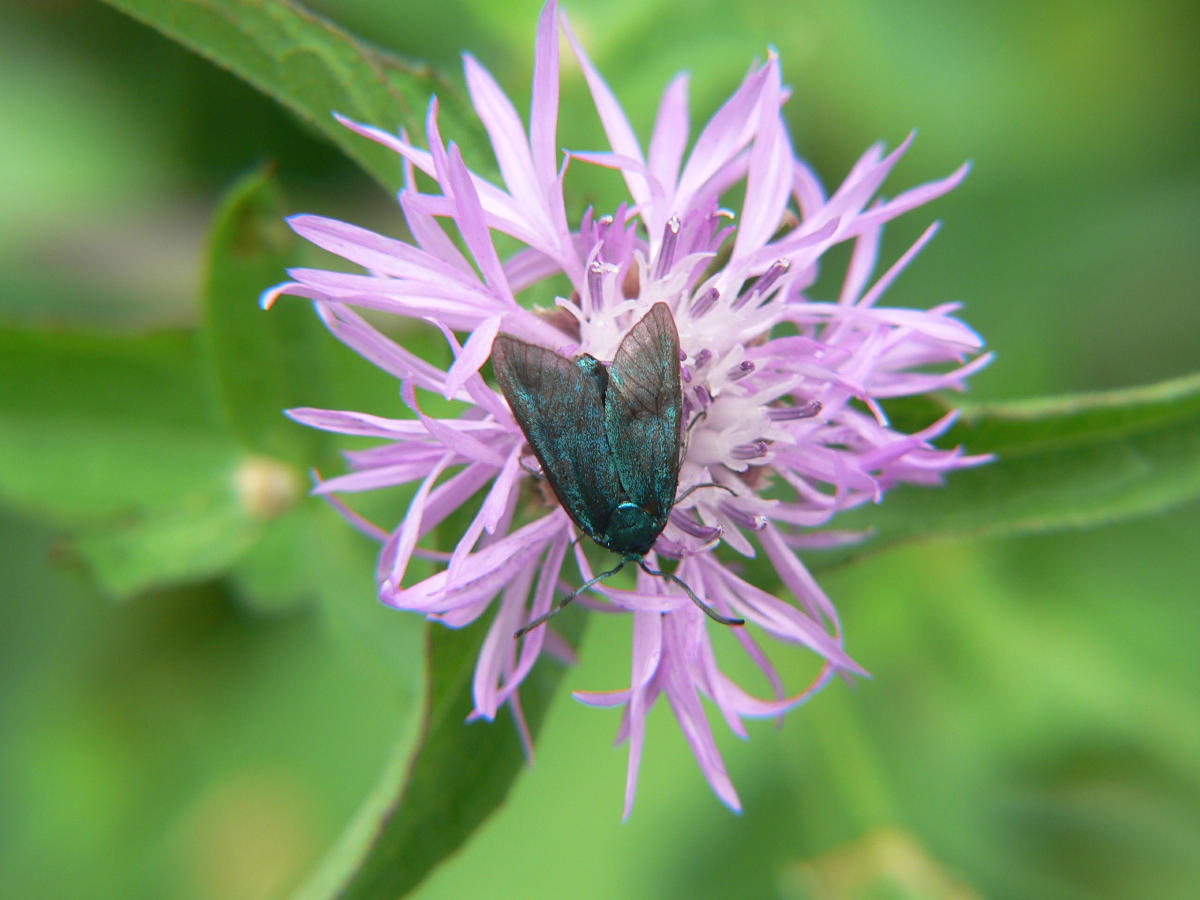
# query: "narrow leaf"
{"type": "Point", "coordinates": [313, 68]}
{"type": "Point", "coordinates": [458, 774]}
{"type": "Point", "coordinates": [94, 425]}
{"type": "Point", "coordinates": [1067, 462]}
{"type": "Point", "coordinates": [191, 539]}
{"type": "Point", "coordinates": [885, 862]}
{"type": "Point", "coordinates": [113, 439]}
{"type": "Point", "coordinates": [263, 362]}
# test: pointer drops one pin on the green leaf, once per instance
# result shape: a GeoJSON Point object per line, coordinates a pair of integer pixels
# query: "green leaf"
{"type": "Point", "coordinates": [314, 68]}
{"type": "Point", "coordinates": [188, 537]}
{"type": "Point", "coordinates": [185, 541]}
{"type": "Point", "coordinates": [1067, 462]}
{"type": "Point", "coordinates": [428, 804]}
{"type": "Point", "coordinates": [277, 572]}
{"type": "Point", "coordinates": [94, 425]}
{"type": "Point", "coordinates": [135, 736]}
{"type": "Point", "coordinates": [339, 564]}
{"type": "Point", "coordinates": [263, 362]}
{"type": "Point", "coordinates": [885, 862]}
{"type": "Point", "coordinates": [113, 438]}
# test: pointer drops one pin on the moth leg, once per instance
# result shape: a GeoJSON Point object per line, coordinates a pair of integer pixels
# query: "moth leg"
{"type": "Point", "coordinates": [708, 610]}
{"type": "Point", "coordinates": [558, 607]}
{"type": "Point", "coordinates": [534, 473]}
{"type": "Point", "coordinates": [696, 487]}
{"type": "Point", "coordinates": [687, 433]}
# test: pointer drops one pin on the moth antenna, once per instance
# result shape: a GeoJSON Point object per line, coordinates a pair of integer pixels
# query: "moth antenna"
{"type": "Point", "coordinates": [696, 487]}
{"type": "Point", "coordinates": [687, 433]}
{"type": "Point", "coordinates": [562, 604]}
{"type": "Point", "coordinates": [537, 476]}
{"type": "Point", "coordinates": [708, 610]}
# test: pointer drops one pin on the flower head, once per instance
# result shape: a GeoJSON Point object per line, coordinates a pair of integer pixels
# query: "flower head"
{"type": "Point", "coordinates": [781, 388]}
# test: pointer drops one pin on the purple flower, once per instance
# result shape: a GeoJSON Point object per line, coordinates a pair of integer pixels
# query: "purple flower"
{"type": "Point", "coordinates": [789, 385]}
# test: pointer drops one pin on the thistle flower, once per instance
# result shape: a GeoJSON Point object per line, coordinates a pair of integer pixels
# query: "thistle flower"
{"type": "Point", "coordinates": [782, 388]}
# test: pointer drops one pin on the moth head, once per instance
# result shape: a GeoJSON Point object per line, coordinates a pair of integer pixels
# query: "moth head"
{"type": "Point", "coordinates": [632, 529]}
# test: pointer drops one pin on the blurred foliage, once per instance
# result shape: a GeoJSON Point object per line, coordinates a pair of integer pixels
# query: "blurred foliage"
{"type": "Point", "coordinates": [199, 688]}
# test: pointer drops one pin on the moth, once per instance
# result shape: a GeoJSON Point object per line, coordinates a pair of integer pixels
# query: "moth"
{"type": "Point", "coordinates": [609, 438]}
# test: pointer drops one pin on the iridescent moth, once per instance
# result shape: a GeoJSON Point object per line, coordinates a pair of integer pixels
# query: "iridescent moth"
{"type": "Point", "coordinates": [608, 438]}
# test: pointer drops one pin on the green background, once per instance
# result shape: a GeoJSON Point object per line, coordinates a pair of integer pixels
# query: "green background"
{"type": "Point", "coordinates": [1032, 728]}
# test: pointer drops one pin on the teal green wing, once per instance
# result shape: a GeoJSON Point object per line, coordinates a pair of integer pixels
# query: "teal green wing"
{"type": "Point", "coordinates": [559, 404]}
{"type": "Point", "coordinates": [643, 409]}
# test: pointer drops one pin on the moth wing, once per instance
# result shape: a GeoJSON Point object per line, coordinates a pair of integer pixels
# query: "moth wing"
{"type": "Point", "coordinates": [643, 408]}
{"type": "Point", "coordinates": [559, 404]}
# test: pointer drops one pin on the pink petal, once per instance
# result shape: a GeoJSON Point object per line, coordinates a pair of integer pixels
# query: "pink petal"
{"type": "Point", "coordinates": [685, 702]}
{"type": "Point", "coordinates": [616, 125]}
{"type": "Point", "coordinates": [357, 334]}
{"type": "Point", "coordinates": [543, 110]}
{"type": "Point", "coordinates": [769, 173]}
{"type": "Point", "coordinates": [380, 255]}
{"type": "Point", "coordinates": [474, 230]}
{"type": "Point", "coordinates": [898, 266]}
{"type": "Point", "coordinates": [474, 354]}
{"type": "Point", "coordinates": [430, 236]}
{"type": "Point", "coordinates": [722, 138]}
{"type": "Point", "coordinates": [862, 264]}
{"type": "Point", "coordinates": [410, 528]}
{"type": "Point", "coordinates": [911, 199]}
{"type": "Point", "coordinates": [498, 645]}
{"type": "Point", "coordinates": [452, 438]}
{"type": "Point", "coordinates": [531, 643]}
{"type": "Point", "coordinates": [483, 575]}
{"type": "Point", "coordinates": [494, 200]}
{"type": "Point", "coordinates": [669, 139]}
{"type": "Point", "coordinates": [506, 133]}
{"type": "Point", "coordinates": [500, 498]}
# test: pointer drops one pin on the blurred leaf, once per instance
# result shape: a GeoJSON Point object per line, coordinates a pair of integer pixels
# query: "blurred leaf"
{"type": "Point", "coordinates": [1047, 423]}
{"type": "Point", "coordinates": [339, 565]}
{"type": "Point", "coordinates": [428, 804]}
{"type": "Point", "coordinates": [314, 69]}
{"type": "Point", "coordinates": [264, 362]}
{"type": "Point", "coordinates": [178, 747]}
{"type": "Point", "coordinates": [1075, 461]}
{"type": "Point", "coordinates": [113, 438]}
{"type": "Point", "coordinates": [94, 425]}
{"type": "Point", "coordinates": [276, 573]}
{"type": "Point", "coordinates": [196, 535]}
{"type": "Point", "coordinates": [190, 539]}
{"type": "Point", "coordinates": [1103, 815]}
{"type": "Point", "coordinates": [884, 863]}
{"type": "Point", "coordinates": [311, 556]}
